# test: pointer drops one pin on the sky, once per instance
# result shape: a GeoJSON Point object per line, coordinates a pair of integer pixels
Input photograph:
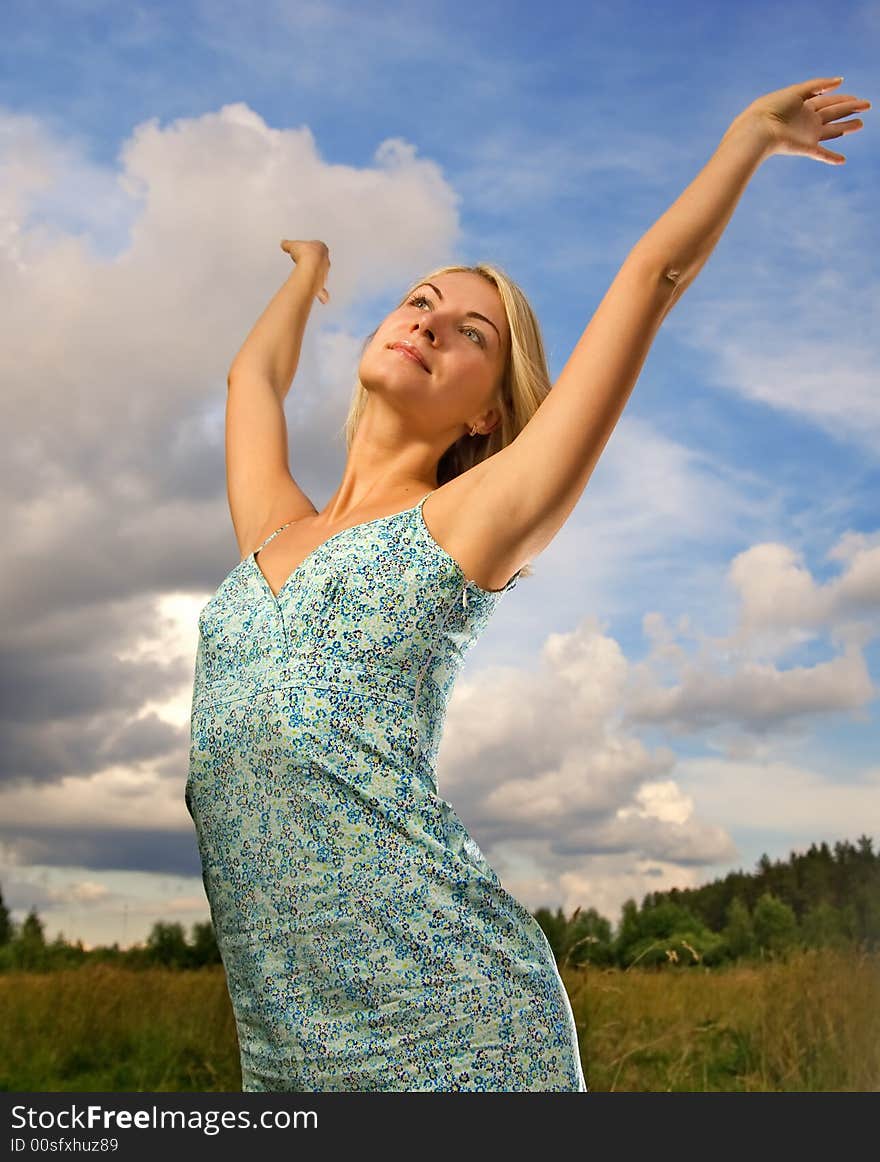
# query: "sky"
{"type": "Point", "coordinates": [689, 678]}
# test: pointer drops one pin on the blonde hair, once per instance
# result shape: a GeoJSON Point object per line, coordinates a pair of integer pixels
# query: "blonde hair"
{"type": "Point", "coordinates": [525, 380]}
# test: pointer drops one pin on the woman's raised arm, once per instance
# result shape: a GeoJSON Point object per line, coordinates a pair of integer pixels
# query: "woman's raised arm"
{"type": "Point", "coordinates": [536, 481]}
{"type": "Point", "coordinates": [261, 490]}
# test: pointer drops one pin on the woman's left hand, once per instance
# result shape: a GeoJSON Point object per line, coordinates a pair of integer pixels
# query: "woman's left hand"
{"type": "Point", "coordinates": [798, 117]}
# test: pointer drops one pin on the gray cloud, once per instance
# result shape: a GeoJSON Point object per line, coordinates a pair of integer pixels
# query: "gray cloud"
{"type": "Point", "coordinates": [102, 849]}
{"type": "Point", "coordinates": [114, 372]}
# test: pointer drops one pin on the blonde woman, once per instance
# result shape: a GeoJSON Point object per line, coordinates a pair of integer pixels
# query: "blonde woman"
{"type": "Point", "coordinates": [368, 945]}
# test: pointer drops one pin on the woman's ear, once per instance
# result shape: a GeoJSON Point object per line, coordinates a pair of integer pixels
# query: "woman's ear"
{"type": "Point", "coordinates": [496, 421]}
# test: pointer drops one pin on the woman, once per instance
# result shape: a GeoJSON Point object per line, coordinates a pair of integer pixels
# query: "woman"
{"type": "Point", "coordinates": [367, 943]}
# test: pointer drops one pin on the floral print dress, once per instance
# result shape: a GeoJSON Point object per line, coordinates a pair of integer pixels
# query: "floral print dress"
{"type": "Point", "coordinates": [367, 943]}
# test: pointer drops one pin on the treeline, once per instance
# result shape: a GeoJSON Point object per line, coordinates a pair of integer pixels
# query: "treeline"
{"type": "Point", "coordinates": [822, 898]}
{"type": "Point", "coordinates": [24, 947]}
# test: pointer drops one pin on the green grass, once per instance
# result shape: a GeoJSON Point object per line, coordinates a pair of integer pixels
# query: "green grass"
{"type": "Point", "coordinates": [106, 1029]}
{"type": "Point", "coordinates": [811, 1024]}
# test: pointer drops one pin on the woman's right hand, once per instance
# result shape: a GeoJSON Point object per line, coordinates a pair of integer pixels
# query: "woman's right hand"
{"type": "Point", "coordinates": [315, 252]}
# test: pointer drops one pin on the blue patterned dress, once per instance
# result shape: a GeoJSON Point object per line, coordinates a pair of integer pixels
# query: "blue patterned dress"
{"type": "Point", "coordinates": [367, 943]}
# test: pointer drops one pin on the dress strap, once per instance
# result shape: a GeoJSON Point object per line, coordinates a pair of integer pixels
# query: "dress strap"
{"type": "Point", "coordinates": [465, 582]}
{"type": "Point", "coordinates": [271, 535]}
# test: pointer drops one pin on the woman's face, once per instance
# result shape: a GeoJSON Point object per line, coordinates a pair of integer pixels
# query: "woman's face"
{"type": "Point", "coordinates": [458, 325]}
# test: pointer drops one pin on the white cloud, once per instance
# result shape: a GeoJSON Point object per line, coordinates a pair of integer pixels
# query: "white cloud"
{"type": "Point", "coordinates": [114, 373]}
{"type": "Point", "coordinates": [132, 347]}
{"type": "Point", "coordinates": [661, 800]}
{"type": "Point", "coordinates": [120, 798]}
{"type": "Point", "coordinates": [790, 326]}
{"type": "Point", "coordinates": [86, 892]}
{"type": "Point", "coordinates": [735, 679]}
{"type": "Point", "coordinates": [548, 757]}
{"type": "Point", "coordinates": [540, 756]}
{"type": "Point", "coordinates": [783, 797]}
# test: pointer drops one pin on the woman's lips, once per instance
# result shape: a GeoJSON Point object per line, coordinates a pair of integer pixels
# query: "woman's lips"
{"type": "Point", "coordinates": [405, 351]}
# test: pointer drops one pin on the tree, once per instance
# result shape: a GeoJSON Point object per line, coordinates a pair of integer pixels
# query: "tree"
{"type": "Point", "coordinates": [739, 931]}
{"type": "Point", "coordinates": [6, 930]}
{"type": "Point", "coordinates": [666, 919]}
{"type": "Point", "coordinates": [588, 939]}
{"type": "Point", "coordinates": [823, 926]}
{"type": "Point", "coordinates": [554, 926]}
{"type": "Point", "coordinates": [775, 925]}
{"type": "Point", "coordinates": [29, 947]}
{"type": "Point", "coordinates": [628, 931]}
{"type": "Point", "coordinates": [204, 944]}
{"type": "Point", "coordinates": [167, 945]}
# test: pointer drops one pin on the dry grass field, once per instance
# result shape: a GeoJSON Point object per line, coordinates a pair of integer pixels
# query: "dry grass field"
{"type": "Point", "coordinates": [809, 1024]}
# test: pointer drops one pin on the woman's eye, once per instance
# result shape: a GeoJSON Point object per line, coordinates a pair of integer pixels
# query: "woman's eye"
{"type": "Point", "coordinates": [478, 338]}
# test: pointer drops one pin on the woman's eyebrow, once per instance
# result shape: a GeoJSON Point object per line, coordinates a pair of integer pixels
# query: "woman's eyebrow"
{"type": "Point", "coordinates": [469, 315]}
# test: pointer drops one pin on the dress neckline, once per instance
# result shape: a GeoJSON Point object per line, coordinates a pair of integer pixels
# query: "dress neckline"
{"type": "Point", "coordinates": [463, 579]}
{"type": "Point", "coordinates": [252, 557]}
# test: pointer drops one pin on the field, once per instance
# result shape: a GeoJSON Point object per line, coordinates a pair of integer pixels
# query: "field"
{"type": "Point", "coordinates": [811, 1024]}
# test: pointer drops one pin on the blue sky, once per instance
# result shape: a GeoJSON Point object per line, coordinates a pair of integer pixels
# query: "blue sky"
{"type": "Point", "coordinates": [699, 643]}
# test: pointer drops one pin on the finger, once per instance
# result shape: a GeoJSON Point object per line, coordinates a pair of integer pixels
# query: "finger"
{"type": "Point", "coordinates": [835, 123]}
{"type": "Point", "coordinates": [839, 130]}
{"type": "Point", "coordinates": [818, 85]}
{"type": "Point", "coordinates": [839, 106]}
{"type": "Point", "coordinates": [828, 156]}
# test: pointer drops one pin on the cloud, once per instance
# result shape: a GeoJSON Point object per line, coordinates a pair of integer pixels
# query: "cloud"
{"type": "Point", "coordinates": [791, 339]}
{"type": "Point", "coordinates": [114, 366]}
{"type": "Point", "coordinates": [736, 679]}
{"type": "Point", "coordinates": [540, 756]}
{"type": "Point", "coordinates": [778, 796]}
{"type": "Point", "coordinates": [549, 757]}
{"type": "Point", "coordinates": [156, 850]}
